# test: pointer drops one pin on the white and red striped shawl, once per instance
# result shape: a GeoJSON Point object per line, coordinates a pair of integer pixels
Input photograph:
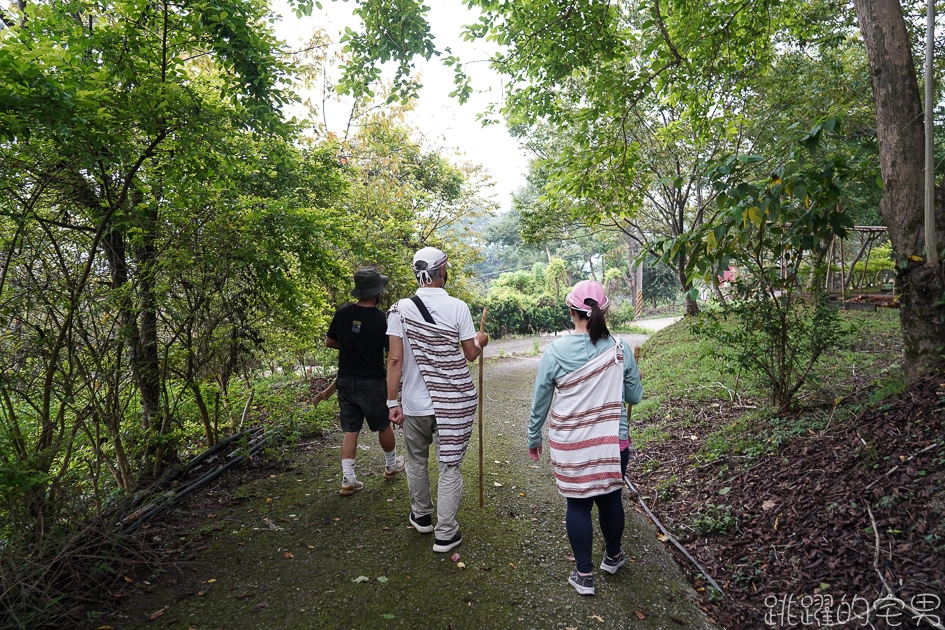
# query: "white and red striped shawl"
{"type": "Point", "coordinates": [446, 374]}
{"type": "Point", "coordinates": [585, 427]}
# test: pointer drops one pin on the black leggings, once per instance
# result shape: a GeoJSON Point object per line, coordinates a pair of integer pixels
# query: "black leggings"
{"type": "Point", "coordinates": [581, 531]}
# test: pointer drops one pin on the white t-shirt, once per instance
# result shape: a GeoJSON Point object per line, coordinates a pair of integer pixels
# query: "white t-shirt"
{"type": "Point", "coordinates": [446, 311]}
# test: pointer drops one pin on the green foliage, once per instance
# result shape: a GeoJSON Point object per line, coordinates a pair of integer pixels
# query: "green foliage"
{"type": "Point", "coordinates": [715, 519]}
{"type": "Point", "coordinates": [774, 339]}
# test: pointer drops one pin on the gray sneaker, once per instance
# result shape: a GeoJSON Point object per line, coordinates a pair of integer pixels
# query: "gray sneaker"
{"type": "Point", "coordinates": [612, 564]}
{"type": "Point", "coordinates": [583, 584]}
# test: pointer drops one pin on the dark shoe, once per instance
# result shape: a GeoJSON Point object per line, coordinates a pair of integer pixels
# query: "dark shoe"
{"type": "Point", "coordinates": [423, 524]}
{"type": "Point", "coordinates": [442, 546]}
{"type": "Point", "coordinates": [612, 564]}
{"type": "Point", "coordinates": [583, 584]}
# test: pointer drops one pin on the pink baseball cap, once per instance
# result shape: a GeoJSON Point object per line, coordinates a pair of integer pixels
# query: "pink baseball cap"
{"type": "Point", "coordinates": [587, 290]}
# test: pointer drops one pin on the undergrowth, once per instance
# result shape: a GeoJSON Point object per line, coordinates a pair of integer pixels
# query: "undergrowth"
{"type": "Point", "coordinates": [683, 376]}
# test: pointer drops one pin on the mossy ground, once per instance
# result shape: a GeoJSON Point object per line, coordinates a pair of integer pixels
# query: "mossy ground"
{"type": "Point", "coordinates": [309, 573]}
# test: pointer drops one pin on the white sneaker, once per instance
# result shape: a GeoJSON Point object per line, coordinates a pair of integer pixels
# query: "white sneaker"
{"type": "Point", "coordinates": [399, 464]}
{"type": "Point", "coordinates": [349, 487]}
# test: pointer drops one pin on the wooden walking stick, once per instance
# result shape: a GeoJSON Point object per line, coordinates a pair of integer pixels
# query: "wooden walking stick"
{"type": "Point", "coordinates": [482, 356]}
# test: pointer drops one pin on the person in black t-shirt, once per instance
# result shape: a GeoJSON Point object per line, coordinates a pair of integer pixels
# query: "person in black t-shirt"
{"type": "Point", "coordinates": [359, 332]}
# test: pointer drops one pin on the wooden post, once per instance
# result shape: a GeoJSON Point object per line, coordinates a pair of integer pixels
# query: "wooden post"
{"type": "Point", "coordinates": [843, 278]}
{"type": "Point", "coordinates": [482, 397]}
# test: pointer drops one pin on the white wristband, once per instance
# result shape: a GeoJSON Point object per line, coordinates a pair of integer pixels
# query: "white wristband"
{"type": "Point", "coordinates": [393, 403]}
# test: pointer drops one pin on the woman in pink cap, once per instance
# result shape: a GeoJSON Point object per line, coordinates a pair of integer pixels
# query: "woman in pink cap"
{"type": "Point", "coordinates": [594, 376]}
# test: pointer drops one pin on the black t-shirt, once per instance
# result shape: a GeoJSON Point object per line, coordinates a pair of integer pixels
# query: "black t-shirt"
{"type": "Point", "coordinates": [361, 332]}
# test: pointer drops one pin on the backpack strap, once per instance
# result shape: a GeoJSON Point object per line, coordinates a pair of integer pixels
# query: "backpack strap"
{"type": "Point", "coordinates": [423, 309]}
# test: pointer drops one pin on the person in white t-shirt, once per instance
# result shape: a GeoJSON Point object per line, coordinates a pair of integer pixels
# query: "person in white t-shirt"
{"type": "Point", "coordinates": [431, 337]}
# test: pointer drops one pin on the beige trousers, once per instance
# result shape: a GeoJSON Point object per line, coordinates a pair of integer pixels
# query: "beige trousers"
{"type": "Point", "coordinates": [419, 434]}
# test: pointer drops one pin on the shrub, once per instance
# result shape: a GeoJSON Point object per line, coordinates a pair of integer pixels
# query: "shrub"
{"type": "Point", "coordinates": [774, 336]}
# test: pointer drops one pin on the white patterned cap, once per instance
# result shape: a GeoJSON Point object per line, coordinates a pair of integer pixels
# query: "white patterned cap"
{"type": "Point", "coordinates": [426, 261]}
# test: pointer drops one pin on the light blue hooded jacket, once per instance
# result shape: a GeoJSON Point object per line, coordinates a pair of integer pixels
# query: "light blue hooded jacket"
{"type": "Point", "coordinates": [567, 354]}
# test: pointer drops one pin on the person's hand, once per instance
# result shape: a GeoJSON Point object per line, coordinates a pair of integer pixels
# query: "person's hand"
{"type": "Point", "coordinates": [534, 452]}
{"type": "Point", "coordinates": [396, 415]}
{"type": "Point", "coordinates": [482, 339]}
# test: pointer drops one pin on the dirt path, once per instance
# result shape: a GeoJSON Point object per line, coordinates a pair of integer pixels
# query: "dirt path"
{"type": "Point", "coordinates": [286, 551]}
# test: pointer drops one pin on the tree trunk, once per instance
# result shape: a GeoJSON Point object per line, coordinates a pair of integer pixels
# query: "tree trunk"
{"type": "Point", "coordinates": [148, 367]}
{"type": "Point", "coordinates": [901, 134]}
{"type": "Point", "coordinates": [204, 413]}
{"type": "Point", "coordinates": [692, 307]}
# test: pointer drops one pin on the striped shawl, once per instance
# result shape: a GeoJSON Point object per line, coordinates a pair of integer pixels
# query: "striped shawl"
{"type": "Point", "coordinates": [446, 374]}
{"type": "Point", "coordinates": [585, 423]}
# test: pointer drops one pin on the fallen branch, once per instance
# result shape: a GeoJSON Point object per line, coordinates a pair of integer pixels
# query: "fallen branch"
{"type": "Point", "coordinates": [896, 467]}
{"type": "Point", "coordinates": [889, 592]}
{"type": "Point", "coordinates": [671, 538]}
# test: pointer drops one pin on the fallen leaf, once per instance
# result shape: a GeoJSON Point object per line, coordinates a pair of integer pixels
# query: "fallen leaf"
{"type": "Point", "coordinates": [662, 537]}
{"type": "Point", "coordinates": [639, 614]}
{"type": "Point", "coordinates": [387, 616]}
{"type": "Point", "coordinates": [497, 461]}
{"type": "Point", "coordinates": [461, 565]}
{"type": "Point", "coordinates": [360, 578]}
{"type": "Point", "coordinates": [311, 546]}
{"type": "Point", "coordinates": [512, 565]}
{"type": "Point", "coordinates": [767, 505]}
{"type": "Point", "coordinates": [259, 606]}
{"type": "Point", "coordinates": [201, 593]}
{"type": "Point", "coordinates": [382, 579]}
{"type": "Point", "coordinates": [496, 484]}
{"type": "Point", "coordinates": [157, 614]}
{"type": "Point", "coordinates": [521, 494]}
{"type": "Point", "coordinates": [211, 580]}
{"type": "Point", "coordinates": [597, 617]}
{"type": "Point", "coordinates": [268, 499]}
{"type": "Point", "coordinates": [455, 557]}
{"type": "Point", "coordinates": [129, 580]}
{"type": "Point", "coordinates": [288, 555]}
{"type": "Point", "coordinates": [533, 466]}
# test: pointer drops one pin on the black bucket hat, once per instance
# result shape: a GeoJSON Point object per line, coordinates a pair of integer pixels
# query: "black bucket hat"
{"type": "Point", "coordinates": [368, 283]}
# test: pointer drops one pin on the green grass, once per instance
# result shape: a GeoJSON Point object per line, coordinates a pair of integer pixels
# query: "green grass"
{"type": "Point", "coordinates": [631, 329]}
{"type": "Point", "coordinates": [675, 364]}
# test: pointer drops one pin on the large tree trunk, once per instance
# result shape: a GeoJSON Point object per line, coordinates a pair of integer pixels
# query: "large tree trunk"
{"type": "Point", "coordinates": [901, 134]}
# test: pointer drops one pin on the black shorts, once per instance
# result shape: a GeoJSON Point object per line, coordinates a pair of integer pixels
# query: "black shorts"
{"type": "Point", "coordinates": [361, 398]}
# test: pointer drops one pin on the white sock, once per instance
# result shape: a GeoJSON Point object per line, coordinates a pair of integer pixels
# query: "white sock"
{"type": "Point", "coordinates": [347, 468]}
{"type": "Point", "coordinates": [391, 458]}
